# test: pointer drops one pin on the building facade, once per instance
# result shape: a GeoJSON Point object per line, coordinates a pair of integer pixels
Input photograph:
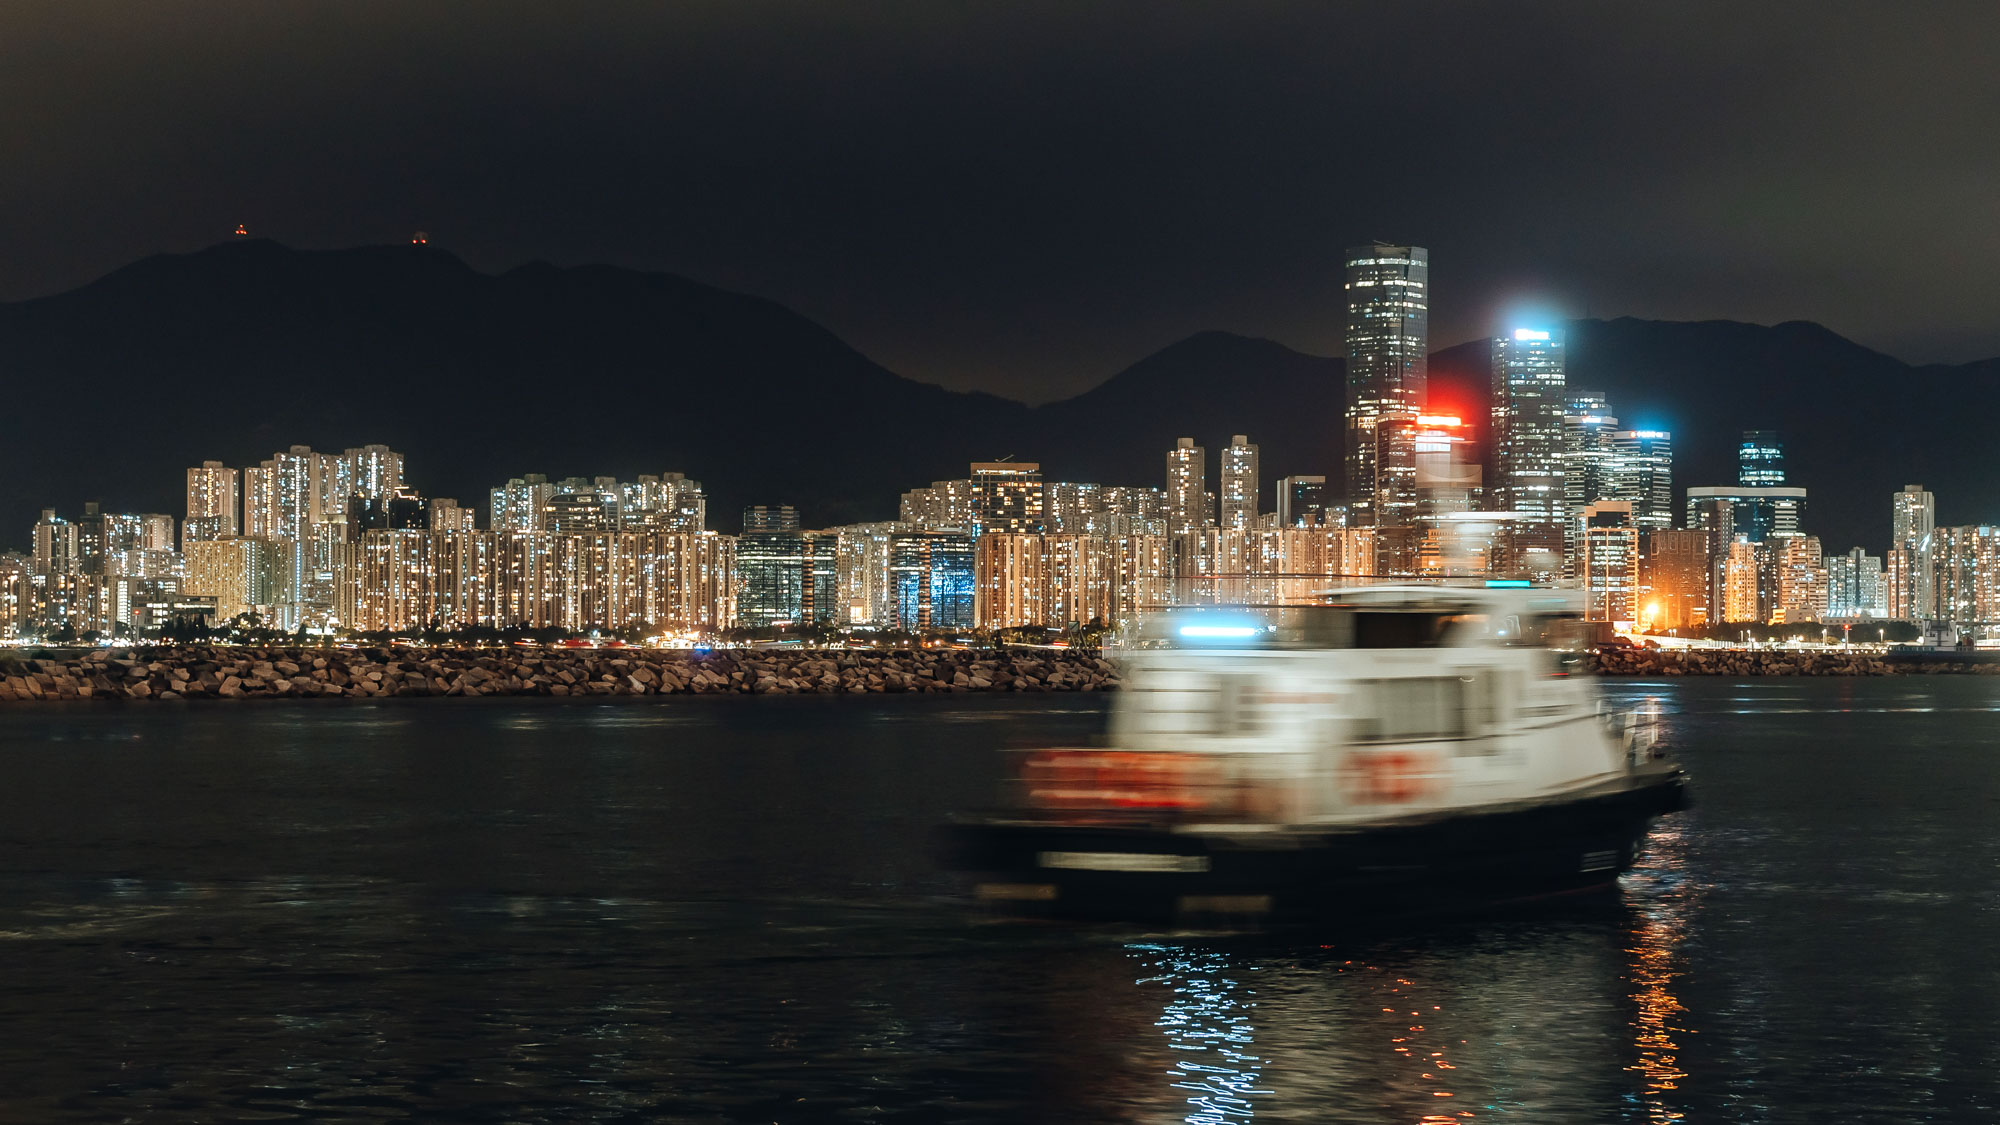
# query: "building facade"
{"type": "Point", "coordinates": [1388, 348]}
{"type": "Point", "coordinates": [1239, 484]}
{"type": "Point", "coordinates": [1529, 382]}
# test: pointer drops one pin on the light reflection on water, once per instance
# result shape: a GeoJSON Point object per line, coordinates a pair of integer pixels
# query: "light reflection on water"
{"type": "Point", "coordinates": [1207, 1023]}
{"type": "Point", "coordinates": [1664, 903]}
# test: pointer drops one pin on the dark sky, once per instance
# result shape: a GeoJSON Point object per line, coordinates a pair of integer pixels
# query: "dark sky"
{"type": "Point", "coordinates": [1025, 197]}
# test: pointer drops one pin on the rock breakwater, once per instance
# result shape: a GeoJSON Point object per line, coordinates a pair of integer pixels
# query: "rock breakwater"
{"type": "Point", "coordinates": [202, 672]}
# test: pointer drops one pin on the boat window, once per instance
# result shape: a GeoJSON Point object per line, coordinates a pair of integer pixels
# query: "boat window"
{"type": "Point", "coordinates": [1565, 636]}
{"type": "Point", "coordinates": [1411, 708]}
{"type": "Point", "coordinates": [1398, 630]}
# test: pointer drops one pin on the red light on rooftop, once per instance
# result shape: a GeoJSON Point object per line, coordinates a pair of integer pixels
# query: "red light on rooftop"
{"type": "Point", "coordinates": [1451, 421]}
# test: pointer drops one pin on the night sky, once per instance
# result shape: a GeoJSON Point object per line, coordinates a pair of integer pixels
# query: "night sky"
{"type": "Point", "coordinates": [1023, 198]}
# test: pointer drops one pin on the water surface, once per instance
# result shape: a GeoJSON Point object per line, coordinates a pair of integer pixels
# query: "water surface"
{"type": "Point", "coordinates": [721, 910]}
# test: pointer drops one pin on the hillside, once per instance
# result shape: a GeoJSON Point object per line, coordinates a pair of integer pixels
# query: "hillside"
{"type": "Point", "coordinates": [236, 351]}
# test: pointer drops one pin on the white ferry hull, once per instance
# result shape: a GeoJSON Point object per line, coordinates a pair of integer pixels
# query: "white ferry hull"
{"type": "Point", "coordinates": [1436, 863]}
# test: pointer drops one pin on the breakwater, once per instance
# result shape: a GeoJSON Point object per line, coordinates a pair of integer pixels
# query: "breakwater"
{"type": "Point", "coordinates": [203, 672]}
{"type": "Point", "coordinates": [225, 672]}
{"type": "Point", "coordinates": [1776, 662]}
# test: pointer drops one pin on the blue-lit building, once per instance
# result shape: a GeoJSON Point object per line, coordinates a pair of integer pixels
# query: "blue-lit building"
{"type": "Point", "coordinates": [1760, 460]}
{"type": "Point", "coordinates": [930, 581]}
{"type": "Point", "coordinates": [785, 577]}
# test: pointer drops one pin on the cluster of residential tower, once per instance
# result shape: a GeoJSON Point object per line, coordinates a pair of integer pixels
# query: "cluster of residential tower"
{"type": "Point", "coordinates": [335, 542]}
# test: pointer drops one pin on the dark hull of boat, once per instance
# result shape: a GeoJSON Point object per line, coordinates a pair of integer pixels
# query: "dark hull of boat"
{"type": "Point", "coordinates": [1431, 865]}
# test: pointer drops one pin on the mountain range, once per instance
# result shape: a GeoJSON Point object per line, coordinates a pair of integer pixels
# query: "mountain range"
{"type": "Point", "coordinates": [245, 348]}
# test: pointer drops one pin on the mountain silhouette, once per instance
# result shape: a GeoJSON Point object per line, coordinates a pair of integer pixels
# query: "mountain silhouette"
{"type": "Point", "coordinates": [234, 352]}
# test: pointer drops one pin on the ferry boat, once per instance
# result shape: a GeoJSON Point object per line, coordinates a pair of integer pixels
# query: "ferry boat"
{"type": "Point", "coordinates": [1400, 749]}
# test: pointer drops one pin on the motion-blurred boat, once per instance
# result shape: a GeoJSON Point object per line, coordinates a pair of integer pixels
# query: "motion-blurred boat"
{"type": "Point", "coordinates": [1404, 748]}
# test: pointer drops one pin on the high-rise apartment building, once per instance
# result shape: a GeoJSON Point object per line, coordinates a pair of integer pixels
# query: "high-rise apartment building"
{"type": "Point", "coordinates": [374, 472]}
{"type": "Point", "coordinates": [1529, 384]}
{"type": "Point", "coordinates": [57, 549]}
{"type": "Point", "coordinates": [214, 503]}
{"type": "Point", "coordinates": [1743, 581]}
{"type": "Point", "coordinates": [287, 499]}
{"type": "Point", "coordinates": [1187, 484]}
{"type": "Point", "coordinates": [241, 574]}
{"type": "Point", "coordinates": [1608, 561]}
{"type": "Point", "coordinates": [945, 505]}
{"type": "Point", "coordinates": [1913, 522]}
{"type": "Point", "coordinates": [586, 510]}
{"type": "Point", "coordinates": [1239, 484]}
{"type": "Point", "coordinates": [1966, 579]}
{"type": "Point", "coordinates": [1388, 348]}
{"type": "Point", "coordinates": [446, 515]}
{"type": "Point", "coordinates": [1802, 579]}
{"type": "Point", "coordinates": [1007, 496]}
{"type": "Point", "coordinates": [521, 504]}
{"type": "Point", "coordinates": [1855, 590]}
{"type": "Point", "coordinates": [1675, 577]}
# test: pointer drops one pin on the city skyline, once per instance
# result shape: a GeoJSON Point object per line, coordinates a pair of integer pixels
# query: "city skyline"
{"type": "Point", "coordinates": [337, 542]}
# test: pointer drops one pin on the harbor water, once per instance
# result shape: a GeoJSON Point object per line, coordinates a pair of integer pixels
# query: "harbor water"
{"type": "Point", "coordinates": [722, 910]}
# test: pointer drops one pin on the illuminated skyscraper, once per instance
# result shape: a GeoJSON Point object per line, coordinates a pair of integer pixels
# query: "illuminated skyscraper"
{"type": "Point", "coordinates": [56, 545]}
{"type": "Point", "coordinates": [1527, 437]}
{"type": "Point", "coordinates": [1675, 577]}
{"type": "Point", "coordinates": [1913, 524]}
{"type": "Point", "coordinates": [1966, 578]}
{"type": "Point", "coordinates": [1608, 561]}
{"type": "Point", "coordinates": [1760, 460]}
{"type": "Point", "coordinates": [1643, 473]}
{"type": "Point", "coordinates": [521, 504]}
{"type": "Point", "coordinates": [1589, 465]}
{"type": "Point", "coordinates": [1239, 485]}
{"type": "Point", "coordinates": [1187, 483]}
{"type": "Point", "coordinates": [1388, 344]}
{"type": "Point", "coordinates": [1802, 579]}
{"type": "Point", "coordinates": [446, 515]}
{"type": "Point", "coordinates": [214, 501]}
{"type": "Point", "coordinates": [1742, 581]}
{"type": "Point", "coordinates": [931, 580]}
{"type": "Point", "coordinates": [586, 510]}
{"type": "Point", "coordinates": [1855, 590]}
{"type": "Point", "coordinates": [1007, 496]}
{"type": "Point", "coordinates": [371, 471]}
